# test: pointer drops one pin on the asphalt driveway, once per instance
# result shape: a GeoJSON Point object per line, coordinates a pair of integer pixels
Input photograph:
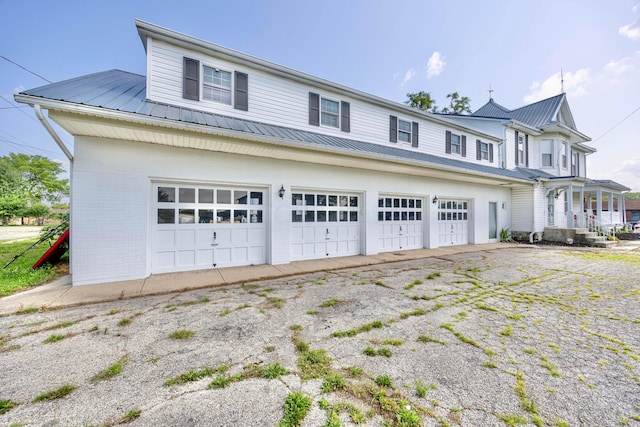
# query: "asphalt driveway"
{"type": "Point", "coordinates": [522, 336]}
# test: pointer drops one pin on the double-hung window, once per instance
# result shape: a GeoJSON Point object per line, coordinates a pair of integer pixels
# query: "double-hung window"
{"type": "Point", "coordinates": [404, 130]}
{"type": "Point", "coordinates": [565, 152]}
{"type": "Point", "coordinates": [329, 113]}
{"type": "Point", "coordinates": [455, 144]}
{"type": "Point", "coordinates": [484, 151]}
{"type": "Point", "coordinates": [574, 164]}
{"type": "Point", "coordinates": [216, 85]}
{"type": "Point", "coordinates": [546, 151]}
{"type": "Point", "coordinates": [521, 149]}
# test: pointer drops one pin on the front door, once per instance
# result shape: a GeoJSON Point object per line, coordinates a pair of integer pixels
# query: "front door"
{"type": "Point", "coordinates": [551, 204]}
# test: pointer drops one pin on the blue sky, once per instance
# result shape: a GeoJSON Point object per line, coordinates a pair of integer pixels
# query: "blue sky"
{"type": "Point", "coordinates": [384, 48]}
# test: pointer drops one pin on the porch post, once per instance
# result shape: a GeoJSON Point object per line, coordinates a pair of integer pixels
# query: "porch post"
{"type": "Point", "coordinates": [610, 207]}
{"type": "Point", "coordinates": [623, 212]}
{"type": "Point", "coordinates": [569, 213]}
{"type": "Point", "coordinates": [582, 210]}
{"type": "Point", "coordinates": [599, 204]}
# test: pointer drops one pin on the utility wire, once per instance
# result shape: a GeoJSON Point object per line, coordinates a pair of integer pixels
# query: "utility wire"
{"type": "Point", "coordinates": [29, 146]}
{"type": "Point", "coordinates": [26, 69]}
{"type": "Point", "coordinates": [616, 125]}
{"type": "Point", "coordinates": [10, 103]}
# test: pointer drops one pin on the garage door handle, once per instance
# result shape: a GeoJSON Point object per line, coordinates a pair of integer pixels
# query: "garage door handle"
{"type": "Point", "coordinates": [327, 236]}
{"type": "Point", "coordinates": [215, 236]}
{"type": "Point", "coordinates": [401, 230]}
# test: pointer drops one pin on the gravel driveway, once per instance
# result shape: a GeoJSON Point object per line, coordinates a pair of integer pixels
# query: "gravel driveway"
{"type": "Point", "coordinates": [525, 336]}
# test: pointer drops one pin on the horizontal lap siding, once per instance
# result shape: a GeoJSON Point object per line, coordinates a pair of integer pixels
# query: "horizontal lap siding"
{"type": "Point", "coordinates": [283, 102]}
{"type": "Point", "coordinates": [522, 209]}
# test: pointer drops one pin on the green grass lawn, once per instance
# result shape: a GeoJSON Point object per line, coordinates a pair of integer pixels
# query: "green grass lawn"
{"type": "Point", "coordinates": [19, 275]}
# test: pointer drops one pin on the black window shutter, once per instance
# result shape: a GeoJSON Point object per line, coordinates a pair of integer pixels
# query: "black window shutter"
{"type": "Point", "coordinates": [191, 79]}
{"type": "Point", "coordinates": [464, 145]}
{"type": "Point", "coordinates": [517, 149]}
{"type": "Point", "coordinates": [314, 109]}
{"type": "Point", "coordinates": [478, 154]}
{"type": "Point", "coordinates": [393, 129]}
{"type": "Point", "coordinates": [491, 153]}
{"type": "Point", "coordinates": [447, 147]}
{"type": "Point", "coordinates": [414, 134]}
{"type": "Point", "coordinates": [526, 150]}
{"type": "Point", "coordinates": [241, 98]}
{"type": "Point", "coordinates": [345, 119]}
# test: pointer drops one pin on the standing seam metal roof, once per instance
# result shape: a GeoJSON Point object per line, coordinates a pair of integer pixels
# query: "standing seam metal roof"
{"type": "Point", "coordinates": [123, 91]}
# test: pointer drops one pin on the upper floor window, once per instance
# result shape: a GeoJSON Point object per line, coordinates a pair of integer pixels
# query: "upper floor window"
{"type": "Point", "coordinates": [216, 85]}
{"type": "Point", "coordinates": [403, 131]}
{"type": "Point", "coordinates": [575, 168]}
{"type": "Point", "coordinates": [484, 151]}
{"type": "Point", "coordinates": [565, 153]}
{"type": "Point", "coordinates": [520, 149]}
{"type": "Point", "coordinates": [456, 144]}
{"type": "Point", "coordinates": [546, 151]}
{"type": "Point", "coordinates": [329, 113]}
{"type": "Point", "coordinates": [326, 112]}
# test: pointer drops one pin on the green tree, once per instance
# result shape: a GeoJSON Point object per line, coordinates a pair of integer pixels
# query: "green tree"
{"type": "Point", "coordinates": [40, 211]}
{"type": "Point", "coordinates": [632, 195]}
{"type": "Point", "coordinates": [38, 176]}
{"type": "Point", "coordinates": [422, 101]}
{"type": "Point", "coordinates": [457, 104]}
{"type": "Point", "coordinates": [13, 199]}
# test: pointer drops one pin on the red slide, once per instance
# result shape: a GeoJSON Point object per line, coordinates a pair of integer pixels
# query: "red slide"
{"type": "Point", "coordinates": [55, 252]}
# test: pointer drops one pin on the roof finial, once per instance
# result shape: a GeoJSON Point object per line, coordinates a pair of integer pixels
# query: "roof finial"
{"type": "Point", "coordinates": [561, 81]}
{"type": "Point", "coordinates": [490, 93]}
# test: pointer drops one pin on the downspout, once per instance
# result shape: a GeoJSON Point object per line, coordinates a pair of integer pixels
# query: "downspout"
{"type": "Point", "coordinates": [52, 132]}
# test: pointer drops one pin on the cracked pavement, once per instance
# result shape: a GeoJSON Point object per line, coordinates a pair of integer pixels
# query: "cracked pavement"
{"type": "Point", "coordinates": [545, 336]}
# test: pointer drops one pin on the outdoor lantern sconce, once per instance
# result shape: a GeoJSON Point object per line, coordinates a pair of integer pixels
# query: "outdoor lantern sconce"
{"type": "Point", "coordinates": [435, 200]}
{"type": "Point", "coordinates": [281, 191]}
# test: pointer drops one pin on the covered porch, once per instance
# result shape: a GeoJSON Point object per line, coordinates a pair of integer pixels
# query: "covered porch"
{"type": "Point", "coordinates": [582, 203]}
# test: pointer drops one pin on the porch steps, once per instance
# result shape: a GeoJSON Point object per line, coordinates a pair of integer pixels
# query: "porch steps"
{"type": "Point", "coordinates": [581, 236]}
{"type": "Point", "coordinates": [591, 238]}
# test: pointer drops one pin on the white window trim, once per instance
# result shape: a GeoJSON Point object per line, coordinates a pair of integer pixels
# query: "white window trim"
{"type": "Point", "coordinates": [230, 88]}
{"type": "Point", "coordinates": [521, 149]}
{"type": "Point", "coordinates": [564, 155]}
{"type": "Point", "coordinates": [544, 153]}
{"type": "Point", "coordinates": [322, 113]}
{"type": "Point", "coordinates": [409, 133]}
{"type": "Point", "coordinates": [484, 154]}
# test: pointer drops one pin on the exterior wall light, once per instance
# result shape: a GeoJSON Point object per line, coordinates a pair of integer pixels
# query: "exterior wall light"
{"type": "Point", "coordinates": [435, 200]}
{"type": "Point", "coordinates": [281, 191]}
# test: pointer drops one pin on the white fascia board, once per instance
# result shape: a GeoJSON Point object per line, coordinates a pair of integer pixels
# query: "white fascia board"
{"type": "Point", "coordinates": [559, 127]}
{"type": "Point", "coordinates": [146, 29]}
{"type": "Point", "coordinates": [515, 124]}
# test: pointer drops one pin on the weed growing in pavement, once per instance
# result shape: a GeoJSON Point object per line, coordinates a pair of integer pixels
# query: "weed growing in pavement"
{"type": "Point", "coordinates": [377, 324]}
{"type": "Point", "coordinates": [332, 383]}
{"type": "Point", "coordinates": [111, 371]}
{"type": "Point", "coordinates": [433, 275]}
{"type": "Point", "coordinates": [296, 408]}
{"type": "Point", "coordinates": [513, 420]}
{"type": "Point", "coordinates": [182, 334]}
{"type": "Point", "coordinates": [384, 285]}
{"type": "Point", "coordinates": [275, 302]}
{"type": "Point", "coordinates": [466, 339]}
{"type": "Point", "coordinates": [332, 302]}
{"type": "Point", "coordinates": [60, 325]}
{"type": "Point", "coordinates": [295, 327]}
{"type": "Point", "coordinates": [312, 312]}
{"type": "Point", "coordinates": [416, 312]}
{"type": "Point", "coordinates": [422, 389]}
{"type": "Point", "coordinates": [412, 284]}
{"type": "Point", "coordinates": [130, 416]}
{"type": "Point", "coordinates": [370, 351]}
{"type": "Point", "coordinates": [426, 338]}
{"type": "Point", "coordinates": [561, 423]}
{"type": "Point", "coordinates": [53, 338]}
{"type": "Point", "coordinates": [127, 320]}
{"type": "Point", "coordinates": [354, 371]}
{"type": "Point", "coordinates": [6, 406]}
{"type": "Point", "coordinates": [58, 393]}
{"type": "Point", "coordinates": [549, 366]}
{"type": "Point", "coordinates": [274, 371]}
{"type": "Point", "coordinates": [383, 381]}
{"type": "Point", "coordinates": [28, 310]}
{"type": "Point", "coordinates": [195, 375]}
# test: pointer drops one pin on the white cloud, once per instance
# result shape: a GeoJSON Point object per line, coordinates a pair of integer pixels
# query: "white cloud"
{"type": "Point", "coordinates": [408, 75]}
{"type": "Point", "coordinates": [628, 173]}
{"type": "Point", "coordinates": [631, 31]}
{"type": "Point", "coordinates": [636, 8]}
{"type": "Point", "coordinates": [619, 67]}
{"type": "Point", "coordinates": [574, 85]}
{"type": "Point", "coordinates": [435, 64]}
{"type": "Point", "coordinates": [18, 89]}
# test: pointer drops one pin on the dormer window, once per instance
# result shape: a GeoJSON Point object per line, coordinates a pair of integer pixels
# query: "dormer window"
{"type": "Point", "coordinates": [404, 131]}
{"type": "Point", "coordinates": [329, 113]}
{"type": "Point", "coordinates": [455, 144]}
{"type": "Point", "coordinates": [546, 151]}
{"type": "Point", "coordinates": [216, 85]}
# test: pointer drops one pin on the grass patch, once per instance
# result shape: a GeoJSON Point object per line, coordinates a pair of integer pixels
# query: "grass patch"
{"type": "Point", "coordinates": [507, 331]}
{"type": "Point", "coordinates": [514, 419]}
{"type": "Point", "coordinates": [383, 381]}
{"type": "Point", "coordinates": [426, 338]}
{"type": "Point", "coordinates": [53, 338]}
{"type": "Point", "coordinates": [332, 383]}
{"type": "Point", "coordinates": [275, 302]}
{"type": "Point", "coordinates": [354, 371]}
{"type": "Point", "coordinates": [377, 324]}
{"type": "Point", "coordinates": [182, 334]}
{"type": "Point", "coordinates": [332, 302]}
{"type": "Point", "coordinates": [58, 393]}
{"type": "Point", "coordinates": [6, 406]}
{"type": "Point", "coordinates": [295, 327]}
{"type": "Point", "coordinates": [130, 416]}
{"type": "Point", "coordinates": [314, 364]}
{"type": "Point", "coordinates": [433, 275]}
{"type": "Point", "coordinates": [28, 310]}
{"type": "Point", "coordinates": [372, 352]}
{"type": "Point", "coordinates": [384, 285]}
{"type": "Point", "coordinates": [466, 339]}
{"type": "Point", "coordinates": [111, 371]}
{"type": "Point", "coordinates": [195, 375]}
{"type": "Point", "coordinates": [416, 312]}
{"type": "Point", "coordinates": [19, 274]}
{"type": "Point", "coordinates": [296, 408]}
{"type": "Point", "coordinates": [274, 371]}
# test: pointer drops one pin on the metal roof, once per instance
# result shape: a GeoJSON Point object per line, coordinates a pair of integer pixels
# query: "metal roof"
{"type": "Point", "coordinates": [537, 115]}
{"type": "Point", "coordinates": [125, 92]}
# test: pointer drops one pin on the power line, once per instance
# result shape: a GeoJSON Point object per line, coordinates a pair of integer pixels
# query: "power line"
{"type": "Point", "coordinates": [16, 107]}
{"type": "Point", "coordinates": [10, 103]}
{"type": "Point", "coordinates": [616, 125]}
{"type": "Point", "coordinates": [29, 146]}
{"type": "Point", "coordinates": [26, 69]}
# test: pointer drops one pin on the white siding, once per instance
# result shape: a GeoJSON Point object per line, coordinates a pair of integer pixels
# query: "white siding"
{"type": "Point", "coordinates": [522, 209]}
{"type": "Point", "coordinates": [112, 202]}
{"type": "Point", "coordinates": [284, 102]}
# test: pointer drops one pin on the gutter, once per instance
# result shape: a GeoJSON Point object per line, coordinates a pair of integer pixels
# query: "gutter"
{"type": "Point", "coordinates": [52, 132]}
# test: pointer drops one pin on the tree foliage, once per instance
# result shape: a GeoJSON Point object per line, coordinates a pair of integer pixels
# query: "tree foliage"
{"type": "Point", "coordinates": [27, 182]}
{"type": "Point", "coordinates": [632, 195]}
{"type": "Point", "coordinates": [423, 101]}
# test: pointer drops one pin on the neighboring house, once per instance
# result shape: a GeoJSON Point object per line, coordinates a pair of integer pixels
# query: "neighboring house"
{"type": "Point", "coordinates": [632, 210]}
{"type": "Point", "coordinates": [218, 159]}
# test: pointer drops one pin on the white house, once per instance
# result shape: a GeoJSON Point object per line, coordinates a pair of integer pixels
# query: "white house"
{"type": "Point", "coordinates": [216, 158]}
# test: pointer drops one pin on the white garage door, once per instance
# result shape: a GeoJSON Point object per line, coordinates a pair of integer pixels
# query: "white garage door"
{"type": "Point", "coordinates": [324, 225]}
{"type": "Point", "coordinates": [453, 222]}
{"type": "Point", "coordinates": [198, 227]}
{"type": "Point", "coordinates": [399, 223]}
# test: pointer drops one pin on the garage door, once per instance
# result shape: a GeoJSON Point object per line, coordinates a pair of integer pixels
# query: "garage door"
{"type": "Point", "coordinates": [198, 227]}
{"type": "Point", "coordinates": [324, 225]}
{"type": "Point", "coordinates": [399, 223]}
{"type": "Point", "coordinates": [453, 222]}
